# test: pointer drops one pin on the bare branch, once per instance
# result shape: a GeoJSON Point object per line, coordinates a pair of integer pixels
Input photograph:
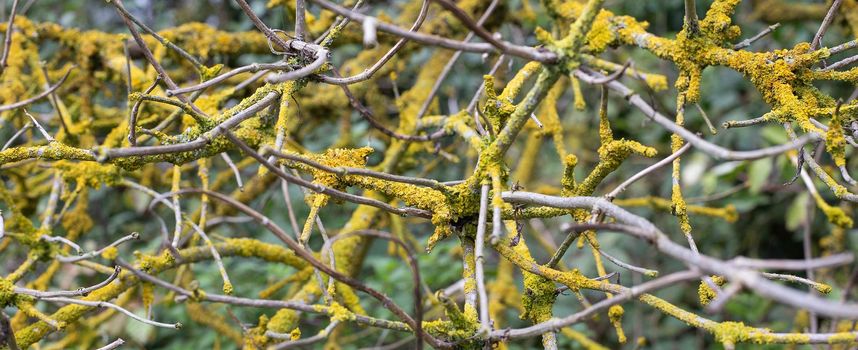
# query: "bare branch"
{"type": "Point", "coordinates": [7, 42]}
{"type": "Point", "coordinates": [40, 96]}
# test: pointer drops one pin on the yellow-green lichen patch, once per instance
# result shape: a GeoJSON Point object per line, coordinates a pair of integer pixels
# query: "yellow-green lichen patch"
{"type": "Point", "coordinates": [705, 293]}
{"type": "Point", "coordinates": [728, 212]}
{"type": "Point", "coordinates": [835, 215]}
{"type": "Point", "coordinates": [615, 315]}
{"type": "Point", "coordinates": [110, 253]}
{"type": "Point", "coordinates": [270, 252]}
{"type": "Point", "coordinates": [340, 313]}
{"type": "Point", "coordinates": [7, 292]}
{"type": "Point", "coordinates": [458, 326]}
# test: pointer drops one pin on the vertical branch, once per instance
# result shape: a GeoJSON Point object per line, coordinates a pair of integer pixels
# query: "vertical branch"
{"type": "Point", "coordinates": [53, 198]}
{"type": "Point", "coordinates": [129, 82]}
{"type": "Point", "coordinates": [270, 34]}
{"type": "Point", "coordinates": [826, 22]}
{"type": "Point", "coordinates": [7, 42]}
{"type": "Point", "coordinates": [54, 100]}
{"type": "Point", "coordinates": [135, 108]}
{"type": "Point", "coordinates": [284, 187]}
{"type": "Point", "coordinates": [177, 209]}
{"type": "Point", "coordinates": [149, 56]}
{"type": "Point", "coordinates": [300, 21]}
{"type": "Point", "coordinates": [497, 188]}
{"type": "Point", "coordinates": [807, 241]}
{"type": "Point", "coordinates": [479, 245]}
{"type": "Point", "coordinates": [449, 67]}
{"type": "Point", "coordinates": [468, 274]}
{"type": "Point", "coordinates": [7, 335]}
{"type": "Point", "coordinates": [691, 24]}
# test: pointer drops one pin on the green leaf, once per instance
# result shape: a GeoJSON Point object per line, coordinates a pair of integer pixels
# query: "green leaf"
{"type": "Point", "coordinates": [796, 213]}
{"type": "Point", "coordinates": [758, 174]}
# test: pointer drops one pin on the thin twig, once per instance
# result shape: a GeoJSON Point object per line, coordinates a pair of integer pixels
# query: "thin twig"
{"type": "Point", "coordinates": [235, 171]}
{"type": "Point", "coordinates": [132, 112]}
{"type": "Point", "coordinates": [843, 47]}
{"type": "Point", "coordinates": [17, 134]}
{"type": "Point", "coordinates": [842, 63]}
{"type": "Point", "coordinates": [113, 345]}
{"type": "Point", "coordinates": [795, 279]}
{"type": "Point", "coordinates": [301, 342]}
{"type": "Point", "coordinates": [803, 264]}
{"type": "Point", "coordinates": [530, 53]}
{"type": "Point", "coordinates": [369, 72]}
{"type": "Point", "coordinates": [69, 293]}
{"type": "Point", "coordinates": [571, 236]}
{"type": "Point", "coordinates": [55, 101]}
{"type": "Point", "coordinates": [701, 144]}
{"type": "Point", "coordinates": [194, 61]}
{"type": "Point", "coordinates": [622, 187]}
{"type": "Point", "coordinates": [106, 304]}
{"type": "Point", "coordinates": [613, 76]}
{"type": "Point", "coordinates": [479, 243]}
{"type": "Point", "coordinates": [308, 256]}
{"type": "Point", "coordinates": [744, 123]}
{"type": "Point", "coordinates": [251, 68]}
{"type": "Point", "coordinates": [826, 22]}
{"type": "Point", "coordinates": [345, 171]}
{"type": "Point", "coordinates": [627, 266]}
{"type": "Point", "coordinates": [367, 114]}
{"type": "Point", "coordinates": [7, 42]}
{"type": "Point", "coordinates": [712, 128]}
{"type": "Point", "coordinates": [39, 127]}
{"type": "Point", "coordinates": [642, 228]}
{"type": "Point", "coordinates": [63, 240]}
{"type": "Point", "coordinates": [747, 42]}
{"type": "Point", "coordinates": [40, 96]}
{"type": "Point", "coordinates": [452, 62]}
{"type": "Point", "coordinates": [284, 187]}
{"type": "Point", "coordinates": [88, 255]}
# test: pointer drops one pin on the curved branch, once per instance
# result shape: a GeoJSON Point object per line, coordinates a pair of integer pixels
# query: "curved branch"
{"type": "Point", "coordinates": [40, 96]}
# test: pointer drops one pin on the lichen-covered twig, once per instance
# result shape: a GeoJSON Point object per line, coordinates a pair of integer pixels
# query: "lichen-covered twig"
{"type": "Point", "coordinates": [65, 300]}
{"type": "Point", "coordinates": [88, 255]}
{"type": "Point", "coordinates": [642, 228]}
{"type": "Point", "coordinates": [826, 22]}
{"type": "Point", "coordinates": [70, 293]}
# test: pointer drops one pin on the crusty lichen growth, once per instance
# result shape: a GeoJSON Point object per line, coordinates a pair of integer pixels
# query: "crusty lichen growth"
{"type": "Point", "coordinates": [705, 293]}
{"type": "Point", "coordinates": [728, 213]}
{"type": "Point", "coordinates": [582, 30]}
{"type": "Point", "coordinates": [835, 215]}
{"type": "Point", "coordinates": [615, 314]}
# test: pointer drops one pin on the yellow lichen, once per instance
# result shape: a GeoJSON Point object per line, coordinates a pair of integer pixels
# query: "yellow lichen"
{"type": "Point", "coordinates": [705, 293]}
{"type": "Point", "coordinates": [615, 314]}
{"type": "Point", "coordinates": [340, 313]}
{"type": "Point", "coordinates": [110, 253]}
